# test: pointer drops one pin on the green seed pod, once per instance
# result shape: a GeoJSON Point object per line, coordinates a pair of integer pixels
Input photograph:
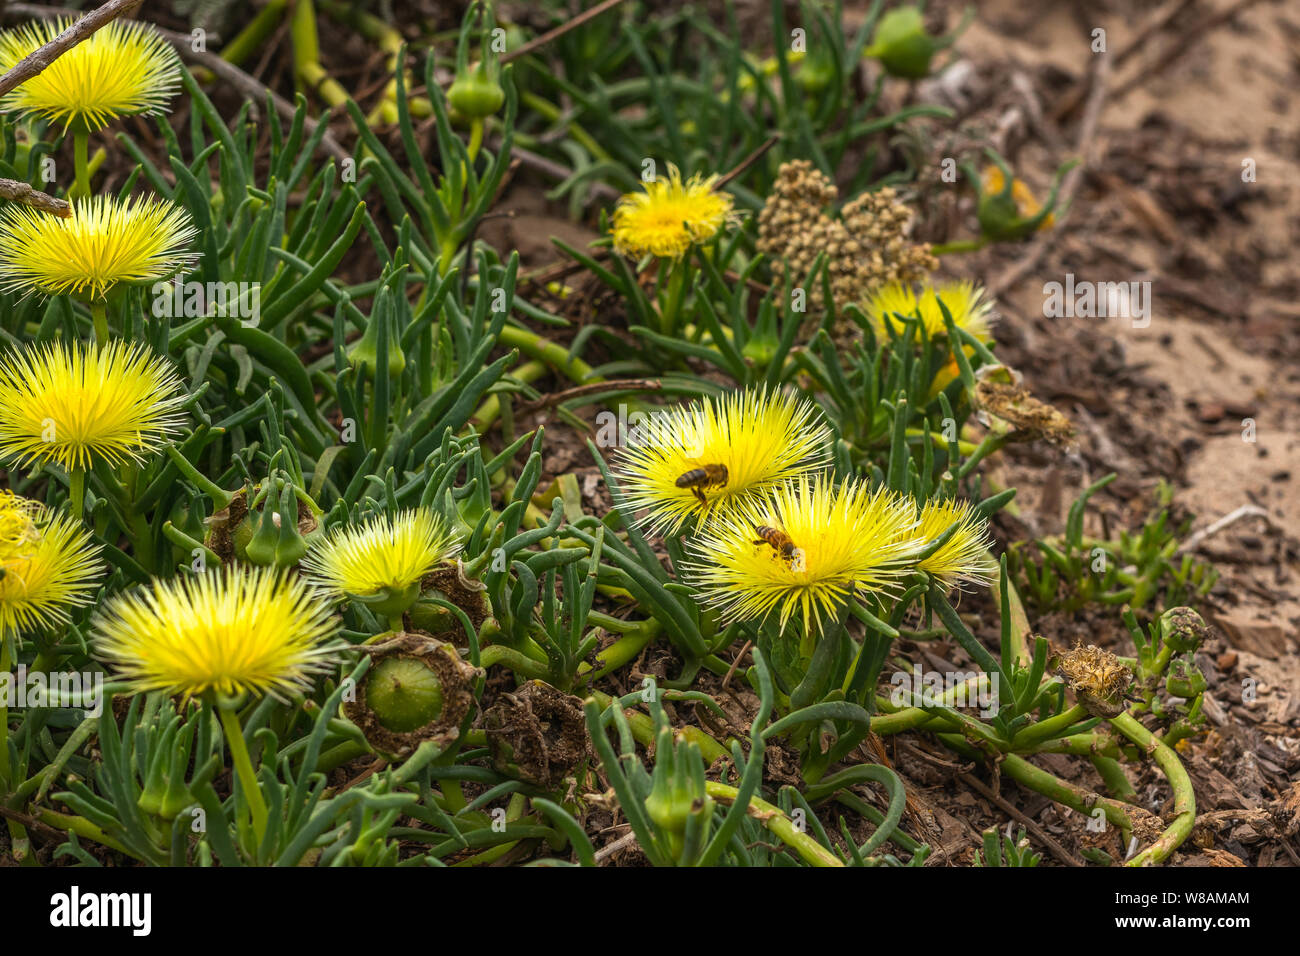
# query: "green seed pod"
{"type": "Point", "coordinates": [418, 689]}
{"type": "Point", "coordinates": [404, 693]}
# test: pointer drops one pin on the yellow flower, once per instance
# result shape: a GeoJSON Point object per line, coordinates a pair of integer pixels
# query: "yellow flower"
{"type": "Point", "coordinates": [48, 564]}
{"type": "Point", "coordinates": [237, 630]}
{"type": "Point", "coordinates": [965, 302]}
{"type": "Point", "coordinates": [78, 404]}
{"type": "Point", "coordinates": [103, 244]}
{"type": "Point", "coordinates": [122, 69]}
{"type": "Point", "coordinates": [387, 554]}
{"type": "Point", "coordinates": [707, 457]}
{"type": "Point", "coordinates": [964, 556]}
{"type": "Point", "coordinates": [669, 216]}
{"type": "Point", "coordinates": [1027, 204]}
{"type": "Point", "coordinates": [833, 540]}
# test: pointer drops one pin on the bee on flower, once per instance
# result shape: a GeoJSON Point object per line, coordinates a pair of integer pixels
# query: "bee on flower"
{"type": "Point", "coordinates": [803, 550]}
{"type": "Point", "coordinates": [709, 456]}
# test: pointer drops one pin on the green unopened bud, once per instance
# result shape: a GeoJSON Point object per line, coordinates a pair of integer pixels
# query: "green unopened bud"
{"type": "Point", "coordinates": [902, 44]}
{"type": "Point", "coordinates": [365, 350]}
{"type": "Point", "coordinates": [1184, 630]}
{"type": "Point", "coordinates": [476, 94]}
{"type": "Point", "coordinates": [404, 694]}
{"type": "Point", "coordinates": [1184, 680]}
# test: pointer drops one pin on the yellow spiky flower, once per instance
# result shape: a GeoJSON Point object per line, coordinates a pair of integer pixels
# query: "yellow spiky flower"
{"type": "Point", "coordinates": [122, 69]}
{"type": "Point", "coordinates": [670, 216]}
{"type": "Point", "coordinates": [237, 630]}
{"type": "Point", "coordinates": [843, 539]}
{"type": "Point", "coordinates": [48, 564]}
{"type": "Point", "coordinates": [76, 404]}
{"type": "Point", "coordinates": [964, 556]}
{"type": "Point", "coordinates": [103, 244]}
{"type": "Point", "coordinates": [965, 302]}
{"type": "Point", "coordinates": [761, 439]}
{"type": "Point", "coordinates": [385, 556]}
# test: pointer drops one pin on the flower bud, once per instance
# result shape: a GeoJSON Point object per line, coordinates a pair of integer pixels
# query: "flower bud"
{"type": "Point", "coordinates": [902, 44]}
{"type": "Point", "coordinates": [1184, 630]}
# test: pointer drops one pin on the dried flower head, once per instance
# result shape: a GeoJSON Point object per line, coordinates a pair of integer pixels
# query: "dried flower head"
{"type": "Point", "coordinates": [803, 550]}
{"type": "Point", "coordinates": [48, 564]}
{"type": "Point", "coordinates": [865, 248]}
{"type": "Point", "coordinates": [122, 69]}
{"type": "Point", "coordinates": [76, 404]}
{"type": "Point", "coordinates": [1098, 678]}
{"type": "Point", "coordinates": [1030, 419]}
{"type": "Point", "coordinates": [103, 244]}
{"type": "Point", "coordinates": [237, 630]}
{"type": "Point", "coordinates": [708, 456]}
{"type": "Point", "coordinates": [669, 216]}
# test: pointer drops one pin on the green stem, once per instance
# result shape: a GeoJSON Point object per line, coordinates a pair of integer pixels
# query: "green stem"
{"type": "Point", "coordinates": [475, 138]}
{"type": "Point", "coordinates": [1049, 728]}
{"type": "Point", "coordinates": [1112, 774]}
{"type": "Point", "coordinates": [99, 316]}
{"type": "Point", "coordinates": [781, 826]}
{"type": "Point", "coordinates": [557, 356]}
{"type": "Point", "coordinates": [6, 664]}
{"type": "Point", "coordinates": [77, 492]}
{"type": "Point", "coordinates": [959, 245]}
{"type": "Point", "coordinates": [244, 770]}
{"type": "Point", "coordinates": [1179, 781]}
{"type": "Point", "coordinates": [82, 828]}
{"type": "Point", "coordinates": [80, 143]}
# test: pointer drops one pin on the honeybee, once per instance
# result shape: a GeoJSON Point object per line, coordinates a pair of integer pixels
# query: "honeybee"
{"type": "Point", "coordinates": [778, 539]}
{"type": "Point", "coordinates": [706, 476]}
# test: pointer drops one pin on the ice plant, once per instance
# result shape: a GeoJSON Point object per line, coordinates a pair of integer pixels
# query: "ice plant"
{"type": "Point", "coordinates": [48, 564]}
{"type": "Point", "coordinates": [382, 561]}
{"type": "Point", "coordinates": [965, 302]}
{"type": "Point", "coordinates": [709, 456]}
{"type": "Point", "coordinates": [965, 555]}
{"type": "Point", "coordinates": [103, 244]}
{"type": "Point", "coordinates": [122, 69]}
{"type": "Point", "coordinates": [76, 405]}
{"type": "Point", "coordinates": [219, 636]}
{"type": "Point", "coordinates": [669, 216]}
{"type": "Point", "coordinates": [842, 539]}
